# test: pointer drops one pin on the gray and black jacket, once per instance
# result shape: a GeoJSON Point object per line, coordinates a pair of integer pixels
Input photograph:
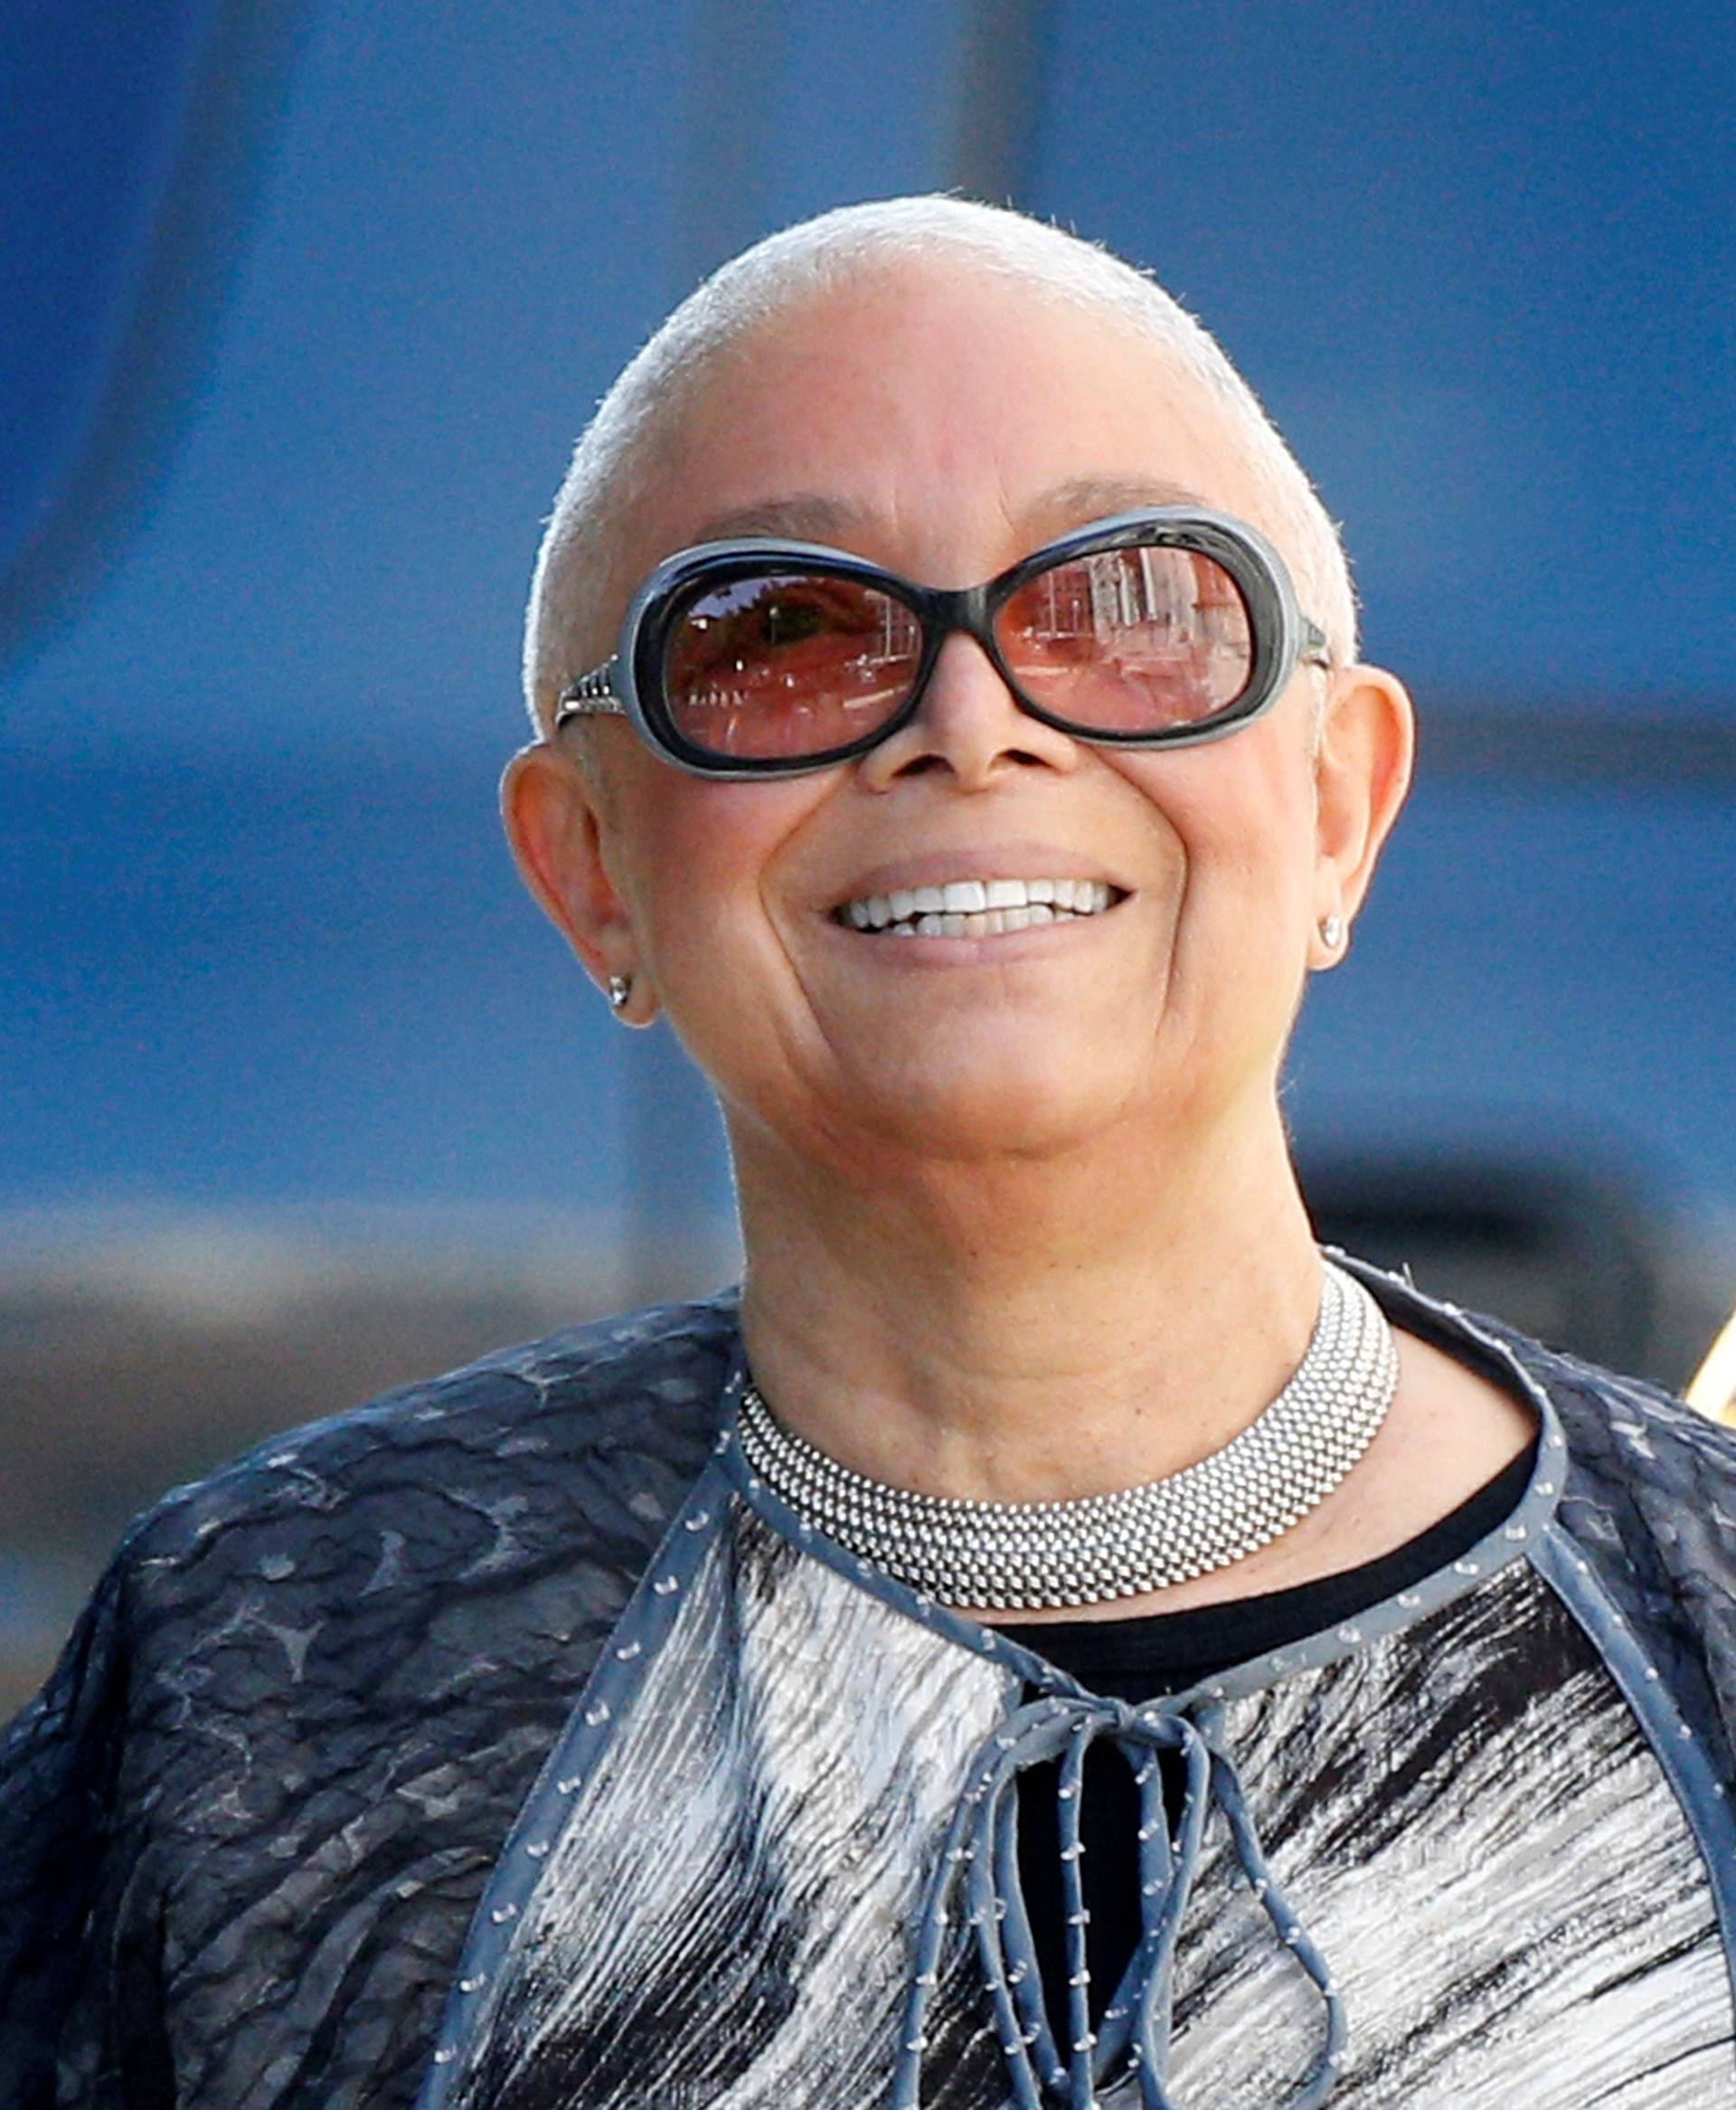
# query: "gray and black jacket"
{"type": "Point", "coordinates": [271, 1810]}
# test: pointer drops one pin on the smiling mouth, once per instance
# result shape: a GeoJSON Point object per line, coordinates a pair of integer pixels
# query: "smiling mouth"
{"type": "Point", "coordinates": [976, 908]}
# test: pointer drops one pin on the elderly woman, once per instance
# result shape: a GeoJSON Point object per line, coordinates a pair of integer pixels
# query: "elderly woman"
{"type": "Point", "coordinates": [1057, 1638]}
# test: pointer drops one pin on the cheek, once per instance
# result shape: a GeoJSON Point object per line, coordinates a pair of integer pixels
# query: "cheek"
{"type": "Point", "coordinates": [1242, 813]}
{"type": "Point", "coordinates": [698, 862]}
{"type": "Point", "coordinates": [1244, 826]}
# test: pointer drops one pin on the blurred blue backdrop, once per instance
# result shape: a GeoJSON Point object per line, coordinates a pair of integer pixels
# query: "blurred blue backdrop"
{"type": "Point", "coordinates": [308, 303]}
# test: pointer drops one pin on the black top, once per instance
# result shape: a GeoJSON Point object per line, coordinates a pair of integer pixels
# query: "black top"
{"type": "Point", "coordinates": [1167, 1652]}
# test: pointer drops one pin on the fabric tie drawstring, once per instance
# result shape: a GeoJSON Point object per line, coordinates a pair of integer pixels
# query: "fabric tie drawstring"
{"type": "Point", "coordinates": [980, 1851]}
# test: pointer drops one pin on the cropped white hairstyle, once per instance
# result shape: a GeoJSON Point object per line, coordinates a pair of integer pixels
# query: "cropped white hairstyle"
{"type": "Point", "coordinates": [576, 588]}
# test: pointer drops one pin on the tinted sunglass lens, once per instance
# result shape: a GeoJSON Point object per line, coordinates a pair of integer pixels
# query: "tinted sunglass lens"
{"type": "Point", "coordinates": [1130, 640]}
{"type": "Point", "coordinates": [775, 665]}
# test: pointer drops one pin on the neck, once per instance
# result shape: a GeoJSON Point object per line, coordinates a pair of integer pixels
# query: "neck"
{"type": "Point", "coordinates": [1024, 1330]}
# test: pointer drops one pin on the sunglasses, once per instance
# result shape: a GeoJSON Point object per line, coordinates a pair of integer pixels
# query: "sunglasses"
{"type": "Point", "coordinates": [757, 657]}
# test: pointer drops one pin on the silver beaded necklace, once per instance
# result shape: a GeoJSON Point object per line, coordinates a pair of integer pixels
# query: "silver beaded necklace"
{"type": "Point", "coordinates": [1030, 1556]}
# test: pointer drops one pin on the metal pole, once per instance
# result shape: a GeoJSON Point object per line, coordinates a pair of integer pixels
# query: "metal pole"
{"type": "Point", "coordinates": [999, 99]}
{"type": "Point", "coordinates": [677, 1201]}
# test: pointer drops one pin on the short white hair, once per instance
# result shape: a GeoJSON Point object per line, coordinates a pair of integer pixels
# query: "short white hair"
{"type": "Point", "coordinates": [575, 583]}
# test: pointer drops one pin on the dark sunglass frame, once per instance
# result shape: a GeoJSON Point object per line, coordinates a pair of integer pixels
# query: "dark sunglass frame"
{"type": "Point", "coordinates": [630, 684]}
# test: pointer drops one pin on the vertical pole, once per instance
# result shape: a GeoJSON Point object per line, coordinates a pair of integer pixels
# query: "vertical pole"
{"type": "Point", "coordinates": [999, 99]}
{"type": "Point", "coordinates": [677, 1203]}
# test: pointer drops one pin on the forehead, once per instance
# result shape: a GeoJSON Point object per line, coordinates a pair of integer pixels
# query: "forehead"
{"type": "Point", "coordinates": [945, 422]}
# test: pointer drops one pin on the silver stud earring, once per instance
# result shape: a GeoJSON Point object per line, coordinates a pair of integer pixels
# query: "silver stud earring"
{"type": "Point", "coordinates": [1332, 932]}
{"type": "Point", "coordinates": [621, 989]}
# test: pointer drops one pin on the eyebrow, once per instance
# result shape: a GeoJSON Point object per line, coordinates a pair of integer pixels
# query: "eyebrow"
{"type": "Point", "coordinates": [1095, 496]}
{"type": "Point", "coordinates": [804, 517]}
{"type": "Point", "coordinates": [810, 516]}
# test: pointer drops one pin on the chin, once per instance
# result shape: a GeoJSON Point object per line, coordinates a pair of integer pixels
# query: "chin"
{"type": "Point", "coordinates": [1035, 1108]}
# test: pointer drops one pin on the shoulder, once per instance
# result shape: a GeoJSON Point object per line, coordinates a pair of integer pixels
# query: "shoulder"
{"type": "Point", "coordinates": [1625, 1428]}
{"type": "Point", "coordinates": [590, 1418]}
{"type": "Point", "coordinates": [1650, 1500]}
{"type": "Point", "coordinates": [1648, 1503]}
{"type": "Point", "coordinates": [466, 1538]}
{"type": "Point", "coordinates": [1650, 1491]}
{"type": "Point", "coordinates": [1620, 1425]}
{"type": "Point", "coordinates": [1648, 1507]}
{"type": "Point", "coordinates": [346, 1654]}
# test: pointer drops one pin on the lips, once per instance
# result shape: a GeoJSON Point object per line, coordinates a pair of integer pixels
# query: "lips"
{"type": "Point", "coordinates": [976, 908]}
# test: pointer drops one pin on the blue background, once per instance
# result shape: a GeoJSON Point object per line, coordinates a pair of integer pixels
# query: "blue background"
{"type": "Point", "coordinates": [263, 948]}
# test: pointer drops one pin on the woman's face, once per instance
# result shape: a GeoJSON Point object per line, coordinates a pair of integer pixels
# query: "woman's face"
{"type": "Point", "coordinates": [945, 427]}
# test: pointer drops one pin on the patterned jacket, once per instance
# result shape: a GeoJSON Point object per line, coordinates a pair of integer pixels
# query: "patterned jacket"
{"type": "Point", "coordinates": [247, 1825]}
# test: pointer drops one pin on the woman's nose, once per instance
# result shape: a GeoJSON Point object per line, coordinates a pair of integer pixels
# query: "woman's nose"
{"type": "Point", "coordinates": [970, 725]}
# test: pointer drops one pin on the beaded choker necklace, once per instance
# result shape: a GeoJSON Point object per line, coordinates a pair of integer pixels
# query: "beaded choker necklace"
{"type": "Point", "coordinates": [1030, 1556]}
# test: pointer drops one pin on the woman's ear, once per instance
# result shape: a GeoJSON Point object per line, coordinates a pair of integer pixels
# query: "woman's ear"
{"type": "Point", "coordinates": [1362, 774]}
{"type": "Point", "coordinates": [557, 822]}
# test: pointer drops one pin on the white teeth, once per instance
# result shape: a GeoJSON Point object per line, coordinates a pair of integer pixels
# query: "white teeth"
{"type": "Point", "coordinates": [976, 908]}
